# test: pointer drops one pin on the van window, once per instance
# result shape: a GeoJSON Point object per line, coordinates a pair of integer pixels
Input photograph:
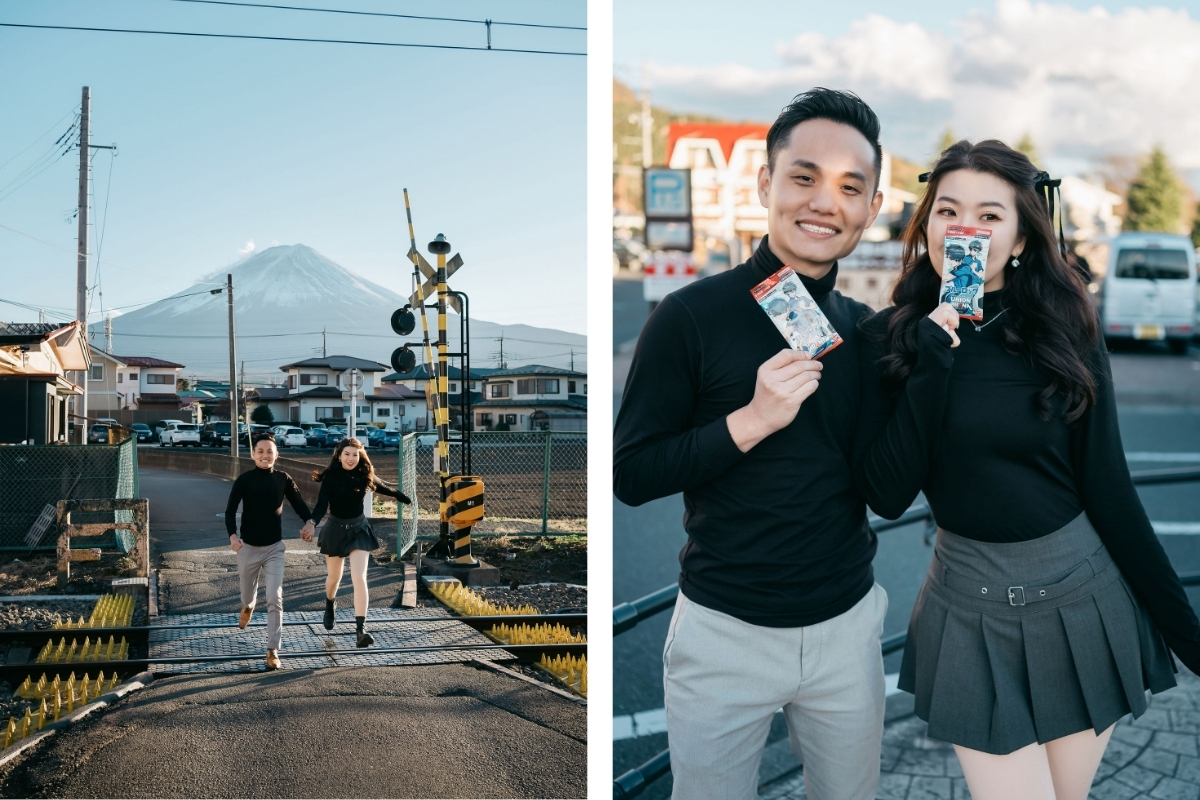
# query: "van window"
{"type": "Point", "coordinates": [1153, 264]}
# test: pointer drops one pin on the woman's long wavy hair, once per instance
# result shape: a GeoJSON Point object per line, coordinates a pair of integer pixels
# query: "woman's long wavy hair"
{"type": "Point", "coordinates": [364, 467]}
{"type": "Point", "coordinates": [1050, 321]}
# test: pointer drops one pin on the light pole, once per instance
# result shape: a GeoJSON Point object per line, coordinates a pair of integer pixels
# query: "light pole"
{"type": "Point", "coordinates": [233, 386]}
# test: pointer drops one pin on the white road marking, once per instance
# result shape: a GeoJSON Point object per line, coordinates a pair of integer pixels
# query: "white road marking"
{"type": "Point", "coordinates": [646, 723]}
{"type": "Point", "coordinates": [1176, 528]}
{"type": "Point", "coordinates": [1163, 458]}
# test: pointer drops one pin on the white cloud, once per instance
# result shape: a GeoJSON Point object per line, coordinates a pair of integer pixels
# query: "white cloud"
{"type": "Point", "coordinates": [1081, 82]}
{"type": "Point", "coordinates": [248, 249]}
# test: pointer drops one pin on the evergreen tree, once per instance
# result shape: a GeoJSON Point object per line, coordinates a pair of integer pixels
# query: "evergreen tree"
{"type": "Point", "coordinates": [262, 415]}
{"type": "Point", "coordinates": [1155, 198]}
{"type": "Point", "coordinates": [1026, 146]}
{"type": "Point", "coordinates": [948, 138]}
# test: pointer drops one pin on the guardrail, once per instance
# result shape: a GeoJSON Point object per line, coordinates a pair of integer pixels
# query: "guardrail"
{"type": "Point", "coordinates": [627, 616]}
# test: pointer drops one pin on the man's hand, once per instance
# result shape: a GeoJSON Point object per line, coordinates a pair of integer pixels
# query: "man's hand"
{"type": "Point", "coordinates": [784, 382]}
{"type": "Point", "coordinates": [236, 542]}
{"type": "Point", "coordinates": [945, 316]}
{"type": "Point", "coordinates": [306, 533]}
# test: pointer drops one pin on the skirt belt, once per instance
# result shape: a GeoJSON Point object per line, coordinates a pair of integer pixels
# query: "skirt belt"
{"type": "Point", "coordinates": [1093, 566]}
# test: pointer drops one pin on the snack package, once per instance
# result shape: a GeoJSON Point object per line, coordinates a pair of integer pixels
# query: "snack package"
{"type": "Point", "coordinates": [963, 261]}
{"type": "Point", "coordinates": [794, 312]}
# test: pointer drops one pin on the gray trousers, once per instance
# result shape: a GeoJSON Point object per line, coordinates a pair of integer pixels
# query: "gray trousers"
{"type": "Point", "coordinates": [268, 561]}
{"type": "Point", "coordinates": [724, 680]}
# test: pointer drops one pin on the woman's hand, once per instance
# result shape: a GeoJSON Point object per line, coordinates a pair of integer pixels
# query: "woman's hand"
{"type": "Point", "coordinates": [306, 533]}
{"type": "Point", "coordinates": [403, 498]}
{"type": "Point", "coordinates": [947, 318]}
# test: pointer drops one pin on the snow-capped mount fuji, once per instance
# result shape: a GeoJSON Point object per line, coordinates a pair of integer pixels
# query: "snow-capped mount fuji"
{"type": "Point", "coordinates": [284, 297]}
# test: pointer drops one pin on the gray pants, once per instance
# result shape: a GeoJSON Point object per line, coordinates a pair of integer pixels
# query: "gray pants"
{"type": "Point", "coordinates": [724, 680]}
{"type": "Point", "coordinates": [269, 561]}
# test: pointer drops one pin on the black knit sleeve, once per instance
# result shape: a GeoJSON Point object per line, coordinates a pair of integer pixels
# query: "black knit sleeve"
{"type": "Point", "coordinates": [292, 492]}
{"type": "Point", "coordinates": [379, 487]}
{"type": "Point", "coordinates": [231, 507]}
{"type": "Point", "coordinates": [895, 437]}
{"type": "Point", "coordinates": [323, 497]}
{"type": "Point", "coordinates": [657, 451]}
{"type": "Point", "coordinates": [1116, 512]}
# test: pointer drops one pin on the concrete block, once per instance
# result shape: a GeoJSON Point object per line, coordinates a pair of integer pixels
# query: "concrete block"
{"type": "Point", "coordinates": [483, 574]}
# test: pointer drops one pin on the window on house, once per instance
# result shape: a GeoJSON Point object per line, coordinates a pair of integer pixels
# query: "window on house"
{"type": "Point", "coordinates": [499, 390]}
{"type": "Point", "coordinates": [329, 413]}
{"type": "Point", "coordinates": [511, 419]}
{"type": "Point", "coordinates": [454, 387]}
{"type": "Point", "coordinates": [485, 419]}
{"type": "Point", "coordinates": [526, 386]}
{"type": "Point", "coordinates": [294, 414]}
{"type": "Point", "coordinates": [161, 380]}
{"type": "Point", "coordinates": [547, 385]}
{"type": "Point", "coordinates": [364, 411]}
{"type": "Point", "coordinates": [291, 381]}
{"type": "Point", "coordinates": [120, 377]}
{"type": "Point", "coordinates": [96, 373]}
{"type": "Point", "coordinates": [314, 380]}
{"type": "Point", "coordinates": [383, 411]}
{"type": "Point", "coordinates": [133, 376]}
{"type": "Point", "coordinates": [570, 387]}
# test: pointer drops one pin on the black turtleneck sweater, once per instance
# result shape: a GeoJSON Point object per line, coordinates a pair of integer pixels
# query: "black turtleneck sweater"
{"type": "Point", "coordinates": [342, 494]}
{"type": "Point", "coordinates": [777, 536]}
{"type": "Point", "coordinates": [261, 493]}
{"type": "Point", "coordinates": [966, 430]}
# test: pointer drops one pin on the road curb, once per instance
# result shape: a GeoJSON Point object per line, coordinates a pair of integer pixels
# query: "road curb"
{"type": "Point", "coordinates": [132, 684]}
{"type": "Point", "coordinates": [512, 673]}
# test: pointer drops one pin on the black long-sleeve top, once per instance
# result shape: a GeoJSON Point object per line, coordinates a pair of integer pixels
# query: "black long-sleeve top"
{"type": "Point", "coordinates": [777, 536]}
{"type": "Point", "coordinates": [261, 493]}
{"type": "Point", "coordinates": [342, 493]}
{"type": "Point", "coordinates": [966, 430]}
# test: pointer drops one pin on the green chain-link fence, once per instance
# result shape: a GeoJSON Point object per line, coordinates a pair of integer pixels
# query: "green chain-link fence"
{"type": "Point", "coordinates": [33, 478]}
{"type": "Point", "coordinates": [534, 482]}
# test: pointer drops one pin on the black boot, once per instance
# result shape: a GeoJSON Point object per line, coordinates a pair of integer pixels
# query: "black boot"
{"type": "Point", "coordinates": [328, 621]}
{"type": "Point", "coordinates": [364, 639]}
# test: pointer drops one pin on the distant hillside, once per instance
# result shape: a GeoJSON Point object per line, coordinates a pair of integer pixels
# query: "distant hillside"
{"type": "Point", "coordinates": [284, 297]}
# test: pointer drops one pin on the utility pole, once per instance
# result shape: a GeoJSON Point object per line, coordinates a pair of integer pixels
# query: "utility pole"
{"type": "Point", "coordinates": [502, 364]}
{"type": "Point", "coordinates": [572, 360]}
{"type": "Point", "coordinates": [233, 395]}
{"type": "Point", "coordinates": [81, 259]}
{"type": "Point", "coordinates": [647, 123]}
{"type": "Point", "coordinates": [324, 353]}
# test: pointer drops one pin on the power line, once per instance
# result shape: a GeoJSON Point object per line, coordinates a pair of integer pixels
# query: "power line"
{"type": "Point", "coordinates": [38, 139]}
{"type": "Point", "coordinates": [381, 14]}
{"type": "Point", "coordinates": [292, 39]}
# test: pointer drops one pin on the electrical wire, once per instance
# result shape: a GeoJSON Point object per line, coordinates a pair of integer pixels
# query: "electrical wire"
{"type": "Point", "coordinates": [382, 14]}
{"type": "Point", "coordinates": [39, 165]}
{"type": "Point", "coordinates": [38, 139]}
{"type": "Point", "coordinates": [293, 39]}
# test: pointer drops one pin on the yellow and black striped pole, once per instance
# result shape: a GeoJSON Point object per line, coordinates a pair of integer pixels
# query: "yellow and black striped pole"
{"type": "Point", "coordinates": [440, 247]}
{"type": "Point", "coordinates": [412, 238]}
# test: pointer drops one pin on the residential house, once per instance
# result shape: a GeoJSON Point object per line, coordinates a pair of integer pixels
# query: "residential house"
{"type": "Point", "coordinates": [419, 379]}
{"type": "Point", "coordinates": [275, 398]}
{"type": "Point", "coordinates": [133, 388]}
{"type": "Point", "coordinates": [35, 359]}
{"type": "Point", "coordinates": [313, 393]}
{"type": "Point", "coordinates": [533, 398]}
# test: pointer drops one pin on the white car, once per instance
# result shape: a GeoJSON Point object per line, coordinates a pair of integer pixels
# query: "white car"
{"type": "Point", "coordinates": [180, 433]}
{"type": "Point", "coordinates": [289, 436]}
{"type": "Point", "coordinates": [1149, 290]}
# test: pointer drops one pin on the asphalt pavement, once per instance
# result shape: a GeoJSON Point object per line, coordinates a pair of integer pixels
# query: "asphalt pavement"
{"type": "Point", "coordinates": [469, 729]}
{"type": "Point", "coordinates": [1159, 406]}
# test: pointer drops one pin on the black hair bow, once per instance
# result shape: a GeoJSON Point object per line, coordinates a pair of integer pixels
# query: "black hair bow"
{"type": "Point", "coordinates": [1043, 183]}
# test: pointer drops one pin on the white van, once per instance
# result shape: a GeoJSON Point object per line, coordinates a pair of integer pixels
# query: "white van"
{"type": "Point", "coordinates": [1150, 289]}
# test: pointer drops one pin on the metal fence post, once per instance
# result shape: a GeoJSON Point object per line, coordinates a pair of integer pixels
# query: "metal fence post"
{"type": "Point", "coordinates": [399, 506]}
{"type": "Point", "coordinates": [546, 487]}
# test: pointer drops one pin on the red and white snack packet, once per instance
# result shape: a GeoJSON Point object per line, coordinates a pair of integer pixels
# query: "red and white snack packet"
{"type": "Point", "coordinates": [794, 312]}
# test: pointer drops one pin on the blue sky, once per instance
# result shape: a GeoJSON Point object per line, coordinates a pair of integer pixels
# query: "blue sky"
{"type": "Point", "coordinates": [226, 143]}
{"type": "Point", "coordinates": [1085, 79]}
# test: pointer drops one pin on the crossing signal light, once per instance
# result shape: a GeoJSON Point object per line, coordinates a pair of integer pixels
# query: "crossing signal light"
{"type": "Point", "coordinates": [404, 360]}
{"type": "Point", "coordinates": [403, 321]}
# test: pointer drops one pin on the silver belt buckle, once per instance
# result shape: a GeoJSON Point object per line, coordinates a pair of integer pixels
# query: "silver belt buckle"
{"type": "Point", "coordinates": [1013, 595]}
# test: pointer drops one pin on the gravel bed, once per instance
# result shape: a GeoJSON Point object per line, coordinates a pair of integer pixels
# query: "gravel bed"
{"type": "Point", "coordinates": [42, 615]}
{"type": "Point", "coordinates": [546, 598]}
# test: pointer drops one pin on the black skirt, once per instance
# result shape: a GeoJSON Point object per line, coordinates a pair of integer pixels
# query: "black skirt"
{"type": "Point", "coordinates": [340, 536]}
{"type": "Point", "coordinates": [1022, 642]}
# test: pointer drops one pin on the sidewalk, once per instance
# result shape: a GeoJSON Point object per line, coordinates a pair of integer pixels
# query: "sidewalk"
{"type": "Point", "coordinates": [1156, 756]}
{"type": "Point", "coordinates": [448, 724]}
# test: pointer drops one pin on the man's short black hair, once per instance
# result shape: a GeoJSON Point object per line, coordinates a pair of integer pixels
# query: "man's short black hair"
{"type": "Point", "coordinates": [262, 437]}
{"type": "Point", "coordinates": [831, 104]}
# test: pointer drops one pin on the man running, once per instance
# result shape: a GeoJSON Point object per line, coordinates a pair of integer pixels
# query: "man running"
{"type": "Point", "coordinates": [260, 549]}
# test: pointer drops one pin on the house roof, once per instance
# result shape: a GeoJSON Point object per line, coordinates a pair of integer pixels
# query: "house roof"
{"type": "Point", "coordinates": [339, 363]}
{"type": "Point", "coordinates": [396, 392]}
{"type": "Point", "coordinates": [97, 352]}
{"type": "Point", "coordinates": [535, 369]}
{"type": "Point", "coordinates": [421, 373]}
{"type": "Point", "coordinates": [27, 332]}
{"type": "Point", "coordinates": [66, 339]}
{"type": "Point", "coordinates": [575, 401]}
{"type": "Point", "coordinates": [146, 361]}
{"type": "Point", "coordinates": [317, 391]}
{"type": "Point", "coordinates": [269, 393]}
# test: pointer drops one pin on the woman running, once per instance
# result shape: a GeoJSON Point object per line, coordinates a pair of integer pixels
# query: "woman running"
{"type": "Point", "coordinates": [348, 534]}
{"type": "Point", "coordinates": [1043, 616]}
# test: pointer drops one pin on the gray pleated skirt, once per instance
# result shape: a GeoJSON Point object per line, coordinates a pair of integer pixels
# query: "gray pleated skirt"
{"type": "Point", "coordinates": [1022, 642]}
{"type": "Point", "coordinates": [340, 536]}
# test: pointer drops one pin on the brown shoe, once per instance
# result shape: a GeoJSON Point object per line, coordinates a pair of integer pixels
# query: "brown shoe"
{"type": "Point", "coordinates": [273, 659]}
{"type": "Point", "coordinates": [244, 617]}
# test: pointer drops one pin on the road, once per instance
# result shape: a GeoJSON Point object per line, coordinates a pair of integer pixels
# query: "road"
{"type": "Point", "coordinates": [1159, 401]}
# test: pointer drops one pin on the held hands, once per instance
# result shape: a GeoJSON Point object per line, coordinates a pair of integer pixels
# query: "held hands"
{"type": "Point", "coordinates": [306, 533]}
{"type": "Point", "coordinates": [784, 382]}
{"type": "Point", "coordinates": [236, 542]}
{"type": "Point", "coordinates": [945, 316]}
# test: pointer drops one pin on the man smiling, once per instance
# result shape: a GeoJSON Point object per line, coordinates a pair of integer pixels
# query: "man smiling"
{"type": "Point", "coordinates": [778, 607]}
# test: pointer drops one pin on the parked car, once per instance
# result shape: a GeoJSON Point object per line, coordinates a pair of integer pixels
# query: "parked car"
{"type": "Point", "coordinates": [142, 431]}
{"type": "Point", "coordinates": [1149, 289]}
{"type": "Point", "coordinates": [98, 433]}
{"type": "Point", "coordinates": [180, 433]}
{"type": "Point", "coordinates": [374, 434]}
{"type": "Point", "coordinates": [429, 438]}
{"type": "Point", "coordinates": [390, 439]}
{"type": "Point", "coordinates": [216, 434]}
{"type": "Point", "coordinates": [160, 425]}
{"type": "Point", "coordinates": [315, 431]}
{"type": "Point", "coordinates": [290, 436]}
{"type": "Point", "coordinates": [333, 434]}
{"type": "Point", "coordinates": [362, 433]}
{"type": "Point", "coordinates": [247, 436]}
